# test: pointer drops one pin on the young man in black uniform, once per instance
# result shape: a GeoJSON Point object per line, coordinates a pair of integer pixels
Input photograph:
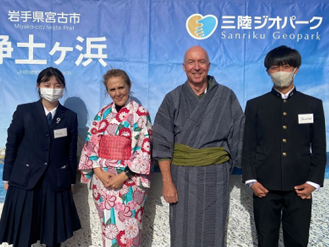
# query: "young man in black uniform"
{"type": "Point", "coordinates": [284, 153]}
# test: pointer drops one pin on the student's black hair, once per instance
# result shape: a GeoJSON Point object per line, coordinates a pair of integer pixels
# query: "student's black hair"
{"type": "Point", "coordinates": [283, 55]}
{"type": "Point", "coordinates": [47, 73]}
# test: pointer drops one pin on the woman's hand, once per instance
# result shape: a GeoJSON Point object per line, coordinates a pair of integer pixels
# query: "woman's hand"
{"type": "Point", "coordinates": [105, 177]}
{"type": "Point", "coordinates": [117, 180]}
{"type": "Point", "coordinates": [6, 185]}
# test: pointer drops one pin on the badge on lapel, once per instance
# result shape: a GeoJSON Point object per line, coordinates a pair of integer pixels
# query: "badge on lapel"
{"type": "Point", "coordinates": [60, 133]}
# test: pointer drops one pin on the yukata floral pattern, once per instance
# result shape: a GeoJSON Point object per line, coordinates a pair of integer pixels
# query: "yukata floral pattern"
{"type": "Point", "coordinates": [120, 210]}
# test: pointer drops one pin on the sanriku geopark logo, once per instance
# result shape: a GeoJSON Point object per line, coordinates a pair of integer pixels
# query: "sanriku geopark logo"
{"type": "Point", "coordinates": [201, 27]}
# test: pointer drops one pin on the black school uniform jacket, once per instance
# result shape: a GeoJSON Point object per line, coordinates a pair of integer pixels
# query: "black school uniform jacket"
{"type": "Point", "coordinates": [284, 141]}
{"type": "Point", "coordinates": [35, 149]}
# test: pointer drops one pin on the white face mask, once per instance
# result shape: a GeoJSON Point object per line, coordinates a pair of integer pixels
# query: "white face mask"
{"type": "Point", "coordinates": [51, 94]}
{"type": "Point", "coordinates": [282, 78]}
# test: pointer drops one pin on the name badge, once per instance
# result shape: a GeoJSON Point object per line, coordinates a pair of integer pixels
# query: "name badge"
{"type": "Point", "coordinates": [305, 118]}
{"type": "Point", "coordinates": [60, 133]}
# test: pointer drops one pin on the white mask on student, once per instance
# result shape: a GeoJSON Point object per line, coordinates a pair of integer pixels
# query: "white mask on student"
{"type": "Point", "coordinates": [51, 94]}
{"type": "Point", "coordinates": [282, 78]}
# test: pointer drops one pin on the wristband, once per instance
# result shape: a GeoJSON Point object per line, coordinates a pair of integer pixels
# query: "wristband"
{"type": "Point", "coordinates": [251, 184]}
{"type": "Point", "coordinates": [128, 172]}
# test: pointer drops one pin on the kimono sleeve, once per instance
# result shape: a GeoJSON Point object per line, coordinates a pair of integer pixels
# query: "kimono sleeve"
{"type": "Point", "coordinates": [236, 132]}
{"type": "Point", "coordinates": [140, 161]}
{"type": "Point", "coordinates": [163, 131]}
{"type": "Point", "coordinates": [89, 154]}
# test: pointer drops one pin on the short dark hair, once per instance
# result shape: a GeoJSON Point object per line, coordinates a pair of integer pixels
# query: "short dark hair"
{"type": "Point", "coordinates": [46, 74]}
{"type": "Point", "coordinates": [283, 55]}
{"type": "Point", "coordinates": [116, 73]}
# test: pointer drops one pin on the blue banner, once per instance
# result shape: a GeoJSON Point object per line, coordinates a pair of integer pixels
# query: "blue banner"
{"type": "Point", "coordinates": [148, 39]}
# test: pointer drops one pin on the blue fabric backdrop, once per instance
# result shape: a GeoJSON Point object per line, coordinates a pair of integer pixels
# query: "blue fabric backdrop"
{"type": "Point", "coordinates": [148, 38]}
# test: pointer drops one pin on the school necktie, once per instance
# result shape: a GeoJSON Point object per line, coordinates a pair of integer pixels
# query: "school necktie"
{"type": "Point", "coordinates": [49, 118]}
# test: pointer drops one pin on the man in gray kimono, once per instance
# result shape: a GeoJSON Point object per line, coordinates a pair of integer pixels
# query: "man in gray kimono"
{"type": "Point", "coordinates": [197, 141]}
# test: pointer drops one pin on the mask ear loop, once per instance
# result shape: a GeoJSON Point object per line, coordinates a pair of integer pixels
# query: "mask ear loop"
{"type": "Point", "coordinates": [293, 77]}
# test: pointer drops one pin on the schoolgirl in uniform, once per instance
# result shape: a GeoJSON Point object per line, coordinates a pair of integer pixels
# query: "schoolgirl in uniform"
{"type": "Point", "coordinates": [40, 169]}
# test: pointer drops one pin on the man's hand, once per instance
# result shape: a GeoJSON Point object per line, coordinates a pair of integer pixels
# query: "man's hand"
{"type": "Point", "coordinates": [169, 189]}
{"type": "Point", "coordinates": [304, 191]}
{"type": "Point", "coordinates": [6, 186]}
{"type": "Point", "coordinates": [259, 190]}
{"type": "Point", "coordinates": [170, 192]}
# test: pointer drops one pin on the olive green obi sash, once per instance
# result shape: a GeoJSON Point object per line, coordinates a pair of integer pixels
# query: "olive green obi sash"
{"type": "Point", "coordinates": [187, 156]}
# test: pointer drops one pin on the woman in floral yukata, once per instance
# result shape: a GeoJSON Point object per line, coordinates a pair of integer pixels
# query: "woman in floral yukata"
{"type": "Point", "coordinates": [116, 157]}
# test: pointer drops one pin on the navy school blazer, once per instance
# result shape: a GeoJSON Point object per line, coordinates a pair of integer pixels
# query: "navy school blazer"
{"type": "Point", "coordinates": [35, 148]}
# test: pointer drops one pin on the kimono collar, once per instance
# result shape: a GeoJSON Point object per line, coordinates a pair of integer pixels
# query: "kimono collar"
{"type": "Point", "coordinates": [125, 105]}
{"type": "Point", "coordinates": [211, 82]}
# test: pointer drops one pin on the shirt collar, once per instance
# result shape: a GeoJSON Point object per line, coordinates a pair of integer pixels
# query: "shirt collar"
{"type": "Point", "coordinates": [53, 111]}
